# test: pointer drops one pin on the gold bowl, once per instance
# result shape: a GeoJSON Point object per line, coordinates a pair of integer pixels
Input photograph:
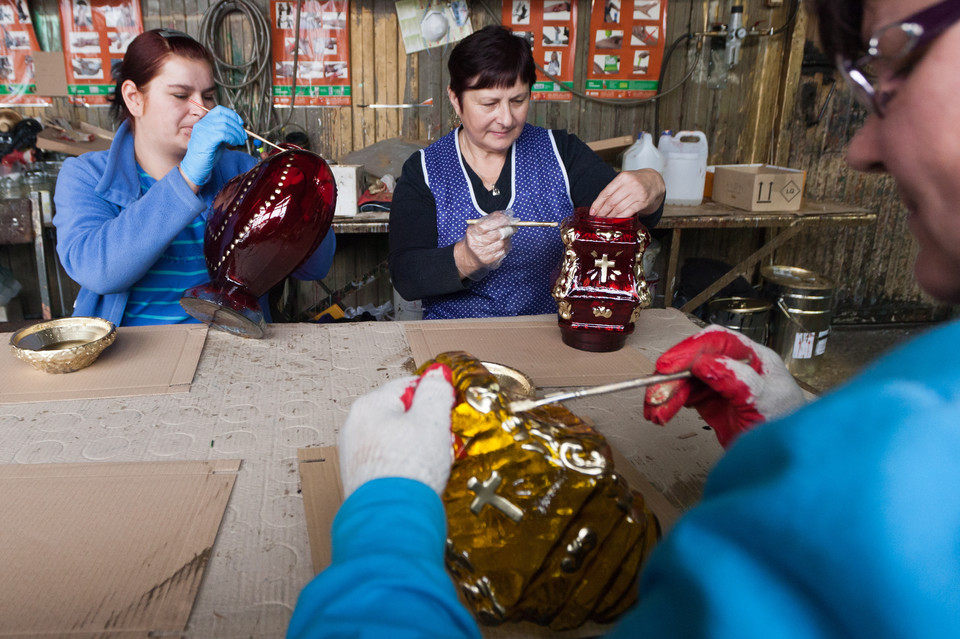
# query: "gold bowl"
{"type": "Point", "coordinates": [513, 383]}
{"type": "Point", "coordinates": [63, 345]}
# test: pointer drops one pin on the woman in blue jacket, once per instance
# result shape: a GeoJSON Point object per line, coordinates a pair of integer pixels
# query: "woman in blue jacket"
{"type": "Point", "coordinates": [841, 519]}
{"type": "Point", "coordinates": [130, 220]}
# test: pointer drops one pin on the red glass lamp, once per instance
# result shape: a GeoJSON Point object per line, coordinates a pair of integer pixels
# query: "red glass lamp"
{"type": "Point", "coordinates": [264, 224]}
{"type": "Point", "coordinates": [601, 285]}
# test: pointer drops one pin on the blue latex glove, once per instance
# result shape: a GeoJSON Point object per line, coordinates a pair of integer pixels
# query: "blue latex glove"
{"type": "Point", "coordinates": [218, 127]}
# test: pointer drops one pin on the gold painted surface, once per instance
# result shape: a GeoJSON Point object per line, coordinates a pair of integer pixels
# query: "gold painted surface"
{"type": "Point", "coordinates": [63, 345]}
{"type": "Point", "coordinates": [540, 526]}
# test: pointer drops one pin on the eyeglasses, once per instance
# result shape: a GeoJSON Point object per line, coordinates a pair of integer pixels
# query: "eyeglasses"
{"type": "Point", "coordinates": [893, 51]}
{"type": "Point", "coordinates": [172, 33]}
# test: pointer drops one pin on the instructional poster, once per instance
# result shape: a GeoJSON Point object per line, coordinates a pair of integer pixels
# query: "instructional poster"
{"type": "Point", "coordinates": [322, 68]}
{"type": "Point", "coordinates": [96, 34]}
{"type": "Point", "coordinates": [550, 27]}
{"type": "Point", "coordinates": [626, 48]}
{"type": "Point", "coordinates": [17, 86]}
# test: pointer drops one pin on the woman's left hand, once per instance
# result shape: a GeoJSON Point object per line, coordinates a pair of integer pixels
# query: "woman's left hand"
{"type": "Point", "coordinates": [630, 193]}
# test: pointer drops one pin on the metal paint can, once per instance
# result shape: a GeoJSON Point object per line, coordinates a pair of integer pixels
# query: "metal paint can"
{"type": "Point", "coordinates": [803, 309]}
{"type": "Point", "coordinates": [747, 315]}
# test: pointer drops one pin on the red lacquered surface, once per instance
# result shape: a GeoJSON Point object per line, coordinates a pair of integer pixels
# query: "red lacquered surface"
{"type": "Point", "coordinates": [264, 224]}
{"type": "Point", "coordinates": [601, 285]}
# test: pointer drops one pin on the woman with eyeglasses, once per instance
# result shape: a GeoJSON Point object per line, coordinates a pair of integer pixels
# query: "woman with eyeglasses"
{"type": "Point", "coordinates": [130, 220]}
{"type": "Point", "coordinates": [841, 519]}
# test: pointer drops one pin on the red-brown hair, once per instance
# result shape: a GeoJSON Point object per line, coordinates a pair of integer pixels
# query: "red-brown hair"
{"type": "Point", "coordinates": [145, 57]}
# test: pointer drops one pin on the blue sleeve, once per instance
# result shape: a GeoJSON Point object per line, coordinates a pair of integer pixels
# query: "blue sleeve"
{"type": "Point", "coordinates": [106, 248]}
{"type": "Point", "coordinates": [318, 265]}
{"type": "Point", "coordinates": [387, 577]}
{"type": "Point", "coordinates": [841, 520]}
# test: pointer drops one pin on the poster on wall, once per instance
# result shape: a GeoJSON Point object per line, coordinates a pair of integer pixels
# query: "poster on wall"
{"type": "Point", "coordinates": [322, 69]}
{"type": "Point", "coordinates": [17, 86]}
{"type": "Point", "coordinates": [626, 48]}
{"type": "Point", "coordinates": [96, 34]}
{"type": "Point", "coordinates": [426, 24]}
{"type": "Point", "coordinates": [550, 27]}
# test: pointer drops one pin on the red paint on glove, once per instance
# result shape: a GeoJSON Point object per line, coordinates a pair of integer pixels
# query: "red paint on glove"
{"type": "Point", "coordinates": [735, 384]}
{"type": "Point", "coordinates": [411, 390]}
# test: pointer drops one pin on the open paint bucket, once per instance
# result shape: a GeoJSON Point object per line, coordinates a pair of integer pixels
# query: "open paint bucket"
{"type": "Point", "coordinates": [747, 315]}
{"type": "Point", "coordinates": [803, 310]}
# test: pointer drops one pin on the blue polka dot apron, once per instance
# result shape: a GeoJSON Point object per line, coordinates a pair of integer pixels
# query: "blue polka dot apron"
{"type": "Point", "coordinates": [541, 193]}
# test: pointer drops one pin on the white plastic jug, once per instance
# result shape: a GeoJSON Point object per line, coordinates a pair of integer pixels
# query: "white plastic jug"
{"type": "Point", "coordinates": [686, 166]}
{"type": "Point", "coordinates": [642, 154]}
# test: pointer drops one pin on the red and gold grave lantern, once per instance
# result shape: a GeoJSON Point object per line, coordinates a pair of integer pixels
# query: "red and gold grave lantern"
{"type": "Point", "coordinates": [601, 287]}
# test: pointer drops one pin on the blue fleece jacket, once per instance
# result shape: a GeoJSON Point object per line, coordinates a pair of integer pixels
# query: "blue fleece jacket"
{"type": "Point", "coordinates": [108, 236]}
{"type": "Point", "coordinates": [841, 520]}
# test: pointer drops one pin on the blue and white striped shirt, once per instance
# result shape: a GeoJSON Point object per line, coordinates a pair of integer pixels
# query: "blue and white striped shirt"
{"type": "Point", "coordinates": [155, 298]}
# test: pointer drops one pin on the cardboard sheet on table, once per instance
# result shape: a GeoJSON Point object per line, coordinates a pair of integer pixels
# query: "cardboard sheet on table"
{"type": "Point", "coordinates": [530, 344]}
{"type": "Point", "coordinates": [107, 549]}
{"type": "Point", "coordinates": [145, 360]}
{"type": "Point", "coordinates": [323, 493]}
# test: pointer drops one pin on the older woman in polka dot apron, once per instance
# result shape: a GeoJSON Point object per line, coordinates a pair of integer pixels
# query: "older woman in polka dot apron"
{"type": "Point", "coordinates": [495, 168]}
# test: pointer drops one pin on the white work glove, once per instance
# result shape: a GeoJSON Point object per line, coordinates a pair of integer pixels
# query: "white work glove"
{"type": "Point", "coordinates": [736, 383]}
{"type": "Point", "coordinates": [485, 245]}
{"type": "Point", "coordinates": [402, 429]}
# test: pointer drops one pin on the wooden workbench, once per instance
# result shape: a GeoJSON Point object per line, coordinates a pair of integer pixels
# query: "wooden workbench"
{"type": "Point", "coordinates": [297, 394]}
{"type": "Point", "coordinates": [781, 226]}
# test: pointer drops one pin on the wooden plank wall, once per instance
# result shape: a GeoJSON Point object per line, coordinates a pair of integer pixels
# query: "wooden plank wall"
{"type": "Point", "coordinates": [756, 117]}
{"type": "Point", "coordinates": [872, 265]}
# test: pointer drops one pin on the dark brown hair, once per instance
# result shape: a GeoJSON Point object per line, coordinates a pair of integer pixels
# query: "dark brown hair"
{"type": "Point", "coordinates": [490, 57]}
{"type": "Point", "coordinates": [145, 57]}
{"type": "Point", "coordinates": [839, 23]}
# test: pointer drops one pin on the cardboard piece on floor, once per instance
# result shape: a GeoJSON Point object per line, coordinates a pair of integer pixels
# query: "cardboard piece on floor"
{"type": "Point", "coordinates": [323, 493]}
{"type": "Point", "coordinates": [531, 344]}
{"type": "Point", "coordinates": [145, 360]}
{"type": "Point", "coordinates": [107, 549]}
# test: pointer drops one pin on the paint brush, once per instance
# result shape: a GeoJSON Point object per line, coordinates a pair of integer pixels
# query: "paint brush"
{"type": "Point", "coordinates": [249, 132]}
{"type": "Point", "coordinates": [517, 223]}
{"type": "Point", "coordinates": [526, 404]}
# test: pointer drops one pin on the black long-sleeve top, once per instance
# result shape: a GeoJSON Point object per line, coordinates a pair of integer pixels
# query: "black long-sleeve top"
{"type": "Point", "coordinates": [419, 268]}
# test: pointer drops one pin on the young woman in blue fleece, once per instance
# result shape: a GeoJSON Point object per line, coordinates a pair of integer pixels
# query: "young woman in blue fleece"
{"type": "Point", "coordinates": [840, 519]}
{"type": "Point", "coordinates": [130, 220]}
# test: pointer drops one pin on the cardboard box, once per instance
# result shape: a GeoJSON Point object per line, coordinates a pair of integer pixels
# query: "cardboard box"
{"type": "Point", "coordinates": [349, 186]}
{"type": "Point", "coordinates": [758, 187]}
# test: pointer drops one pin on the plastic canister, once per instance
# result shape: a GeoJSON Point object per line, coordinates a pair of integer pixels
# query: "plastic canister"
{"type": "Point", "coordinates": [685, 170]}
{"type": "Point", "coordinates": [643, 154]}
{"type": "Point", "coordinates": [801, 318]}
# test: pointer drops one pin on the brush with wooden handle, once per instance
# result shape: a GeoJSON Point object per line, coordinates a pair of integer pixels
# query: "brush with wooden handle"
{"type": "Point", "coordinates": [249, 132]}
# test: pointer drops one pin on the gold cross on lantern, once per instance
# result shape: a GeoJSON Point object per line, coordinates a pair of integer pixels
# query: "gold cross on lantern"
{"type": "Point", "coordinates": [603, 264]}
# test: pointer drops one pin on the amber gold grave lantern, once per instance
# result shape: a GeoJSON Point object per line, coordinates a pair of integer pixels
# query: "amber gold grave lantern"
{"type": "Point", "coordinates": [601, 287]}
{"type": "Point", "coordinates": [541, 528]}
{"type": "Point", "coordinates": [265, 223]}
